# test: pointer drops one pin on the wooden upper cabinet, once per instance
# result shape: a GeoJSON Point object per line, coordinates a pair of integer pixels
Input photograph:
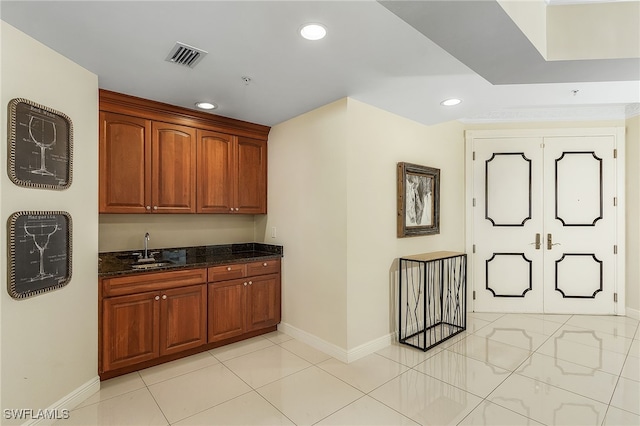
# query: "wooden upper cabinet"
{"type": "Point", "coordinates": [125, 166]}
{"type": "Point", "coordinates": [215, 167]}
{"type": "Point", "coordinates": [159, 158]}
{"type": "Point", "coordinates": [251, 175]}
{"type": "Point", "coordinates": [173, 168]}
{"type": "Point", "coordinates": [232, 174]}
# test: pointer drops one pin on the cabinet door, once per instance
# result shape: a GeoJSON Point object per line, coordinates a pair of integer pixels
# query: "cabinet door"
{"type": "Point", "coordinates": [226, 309]}
{"type": "Point", "coordinates": [183, 319]}
{"type": "Point", "coordinates": [173, 168]}
{"type": "Point", "coordinates": [216, 183]}
{"type": "Point", "coordinates": [263, 302]}
{"type": "Point", "coordinates": [251, 173]}
{"type": "Point", "coordinates": [125, 163]}
{"type": "Point", "coordinates": [130, 329]}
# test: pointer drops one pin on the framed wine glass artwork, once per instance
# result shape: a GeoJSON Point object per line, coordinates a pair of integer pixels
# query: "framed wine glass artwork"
{"type": "Point", "coordinates": [40, 146]}
{"type": "Point", "coordinates": [39, 252]}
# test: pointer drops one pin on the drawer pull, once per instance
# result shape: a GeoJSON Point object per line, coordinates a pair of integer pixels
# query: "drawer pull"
{"type": "Point", "coordinates": [228, 268]}
{"type": "Point", "coordinates": [264, 264]}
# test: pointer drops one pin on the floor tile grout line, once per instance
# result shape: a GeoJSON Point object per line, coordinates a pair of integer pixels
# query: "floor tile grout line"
{"type": "Point", "coordinates": [157, 403]}
{"type": "Point", "coordinates": [114, 396]}
{"type": "Point", "coordinates": [181, 374]}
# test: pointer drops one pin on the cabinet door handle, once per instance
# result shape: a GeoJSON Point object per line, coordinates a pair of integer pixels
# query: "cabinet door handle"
{"type": "Point", "coordinates": [148, 207]}
{"type": "Point", "coordinates": [237, 209]}
{"type": "Point", "coordinates": [264, 264]}
{"type": "Point", "coordinates": [164, 297]}
{"type": "Point", "coordinates": [157, 297]}
{"type": "Point", "coordinates": [155, 207]}
{"type": "Point", "coordinates": [250, 282]}
{"type": "Point", "coordinates": [231, 209]}
{"type": "Point", "coordinates": [245, 284]}
{"type": "Point", "coordinates": [228, 268]}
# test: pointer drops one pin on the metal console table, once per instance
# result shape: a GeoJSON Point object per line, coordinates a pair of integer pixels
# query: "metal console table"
{"type": "Point", "coordinates": [432, 298]}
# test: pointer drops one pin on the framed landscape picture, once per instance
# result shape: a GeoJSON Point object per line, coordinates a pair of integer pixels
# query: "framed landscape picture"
{"type": "Point", "coordinates": [418, 200]}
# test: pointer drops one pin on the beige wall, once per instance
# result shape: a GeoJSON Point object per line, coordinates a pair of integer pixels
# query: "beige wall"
{"type": "Point", "coordinates": [126, 231]}
{"type": "Point", "coordinates": [377, 141]}
{"type": "Point", "coordinates": [633, 213]}
{"type": "Point", "coordinates": [307, 199]}
{"type": "Point", "coordinates": [49, 342]}
{"type": "Point", "coordinates": [332, 199]}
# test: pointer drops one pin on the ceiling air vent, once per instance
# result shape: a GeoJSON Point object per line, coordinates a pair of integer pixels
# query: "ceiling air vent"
{"type": "Point", "coordinates": [183, 54]}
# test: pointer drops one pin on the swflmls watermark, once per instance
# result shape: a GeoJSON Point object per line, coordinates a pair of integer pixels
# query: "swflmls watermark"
{"type": "Point", "coordinates": [31, 414]}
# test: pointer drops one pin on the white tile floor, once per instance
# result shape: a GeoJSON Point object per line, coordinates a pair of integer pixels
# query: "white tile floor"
{"type": "Point", "coordinates": [511, 369]}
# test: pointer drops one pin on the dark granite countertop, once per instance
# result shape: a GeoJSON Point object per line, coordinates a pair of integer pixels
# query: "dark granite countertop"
{"type": "Point", "coordinates": [120, 262]}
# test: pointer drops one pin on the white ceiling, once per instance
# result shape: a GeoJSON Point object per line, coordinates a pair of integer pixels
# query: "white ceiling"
{"type": "Point", "coordinates": [403, 57]}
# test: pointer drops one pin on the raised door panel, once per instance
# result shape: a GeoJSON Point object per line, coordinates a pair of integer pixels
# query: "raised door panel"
{"type": "Point", "coordinates": [183, 323]}
{"type": "Point", "coordinates": [226, 310]}
{"type": "Point", "coordinates": [125, 167]}
{"type": "Point", "coordinates": [263, 302]}
{"type": "Point", "coordinates": [251, 196]}
{"type": "Point", "coordinates": [215, 172]}
{"type": "Point", "coordinates": [173, 170]}
{"type": "Point", "coordinates": [130, 330]}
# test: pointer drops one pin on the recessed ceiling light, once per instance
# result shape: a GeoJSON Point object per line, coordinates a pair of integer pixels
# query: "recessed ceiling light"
{"type": "Point", "coordinates": [313, 31]}
{"type": "Point", "coordinates": [206, 105]}
{"type": "Point", "coordinates": [450, 102]}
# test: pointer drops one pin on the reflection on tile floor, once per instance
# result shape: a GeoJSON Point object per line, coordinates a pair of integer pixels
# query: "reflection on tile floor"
{"type": "Point", "coordinates": [505, 369]}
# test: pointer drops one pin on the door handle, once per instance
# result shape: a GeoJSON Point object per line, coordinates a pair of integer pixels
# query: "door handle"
{"type": "Point", "coordinates": [550, 242]}
{"type": "Point", "coordinates": [537, 243]}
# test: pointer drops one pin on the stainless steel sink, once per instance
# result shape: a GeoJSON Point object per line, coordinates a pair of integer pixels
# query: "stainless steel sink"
{"type": "Point", "coordinates": [150, 265]}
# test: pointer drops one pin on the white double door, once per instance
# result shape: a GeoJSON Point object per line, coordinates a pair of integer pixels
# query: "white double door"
{"type": "Point", "coordinates": [544, 225]}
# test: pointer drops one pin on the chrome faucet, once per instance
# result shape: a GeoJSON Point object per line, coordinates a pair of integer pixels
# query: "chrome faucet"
{"type": "Point", "coordinates": [146, 246]}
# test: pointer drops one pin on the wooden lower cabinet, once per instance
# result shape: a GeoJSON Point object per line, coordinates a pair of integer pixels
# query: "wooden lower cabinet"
{"type": "Point", "coordinates": [226, 309]}
{"type": "Point", "coordinates": [151, 318]}
{"type": "Point", "coordinates": [183, 319]}
{"type": "Point", "coordinates": [240, 306]}
{"type": "Point", "coordinates": [263, 302]}
{"type": "Point", "coordinates": [130, 330]}
{"type": "Point", "coordinates": [141, 327]}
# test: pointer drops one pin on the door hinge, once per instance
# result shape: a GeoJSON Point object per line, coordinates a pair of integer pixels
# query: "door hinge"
{"type": "Point", "coordinates": [615, 153]}
{"type": "Point", "coordinates": [474, 156]}
{"type": "Point", "coordinates": [615, 249]}
{"type": "Point", "coordinates": [615, 201]}
{"type": "Point", "coordinates": [474, 202]}
{"type": "Point", "coordinates": [615, 297]}
{"type": "Point", "coordinates": [474, 295]}
{"type": "Point", "coordinates": [474, 248]}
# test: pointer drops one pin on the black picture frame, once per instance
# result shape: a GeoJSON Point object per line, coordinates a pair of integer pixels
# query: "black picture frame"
{"type": "Point", "coordinates": [418, 200]}
{"type": "Point", "coordinates": [40, 146]}
{"type": "Point", "coordinates": [39, 252]}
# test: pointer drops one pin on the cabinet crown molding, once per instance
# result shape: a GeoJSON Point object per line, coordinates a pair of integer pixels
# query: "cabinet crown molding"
{"type": "Point", "coordinates": [139, 107]}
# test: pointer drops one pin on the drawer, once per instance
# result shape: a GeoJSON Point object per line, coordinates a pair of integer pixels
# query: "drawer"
{"type": "Point", "coordinates": [138, 283]}
{"type": "Point", "coordinates": [226, 272]}
{"type": "Point", "coordinates": [271, 266]}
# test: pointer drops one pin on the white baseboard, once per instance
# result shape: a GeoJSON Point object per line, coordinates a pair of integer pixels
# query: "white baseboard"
{"type": "Point", "coordinates": [370, 347]}
{"type": "Point", "coordinates": [333, 350]}
{"type": "Point", "coordinates": [632, 313]}
{"type": "Point", "coordinates": [68, 402]}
